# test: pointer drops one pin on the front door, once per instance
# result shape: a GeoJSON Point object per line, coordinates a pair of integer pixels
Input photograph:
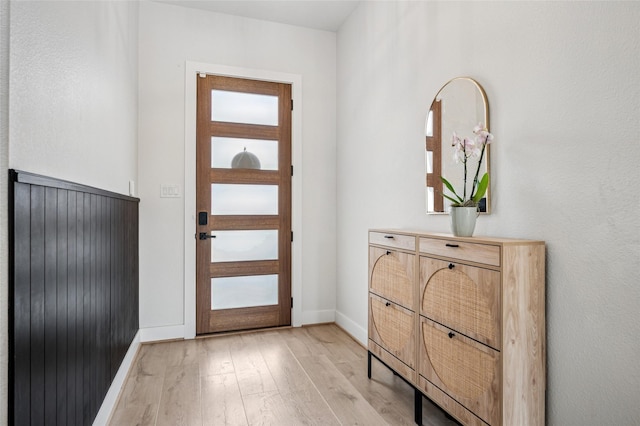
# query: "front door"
{"type": "Point", "coordinates": [243, 197]}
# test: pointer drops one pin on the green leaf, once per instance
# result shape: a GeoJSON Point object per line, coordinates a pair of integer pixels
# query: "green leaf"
{"type": "Point", "coordinates": [450, 188]}
{"type": "Point", "coordinates": [482, 188]}
{"type": "Point", "coordinates": [455, 202]}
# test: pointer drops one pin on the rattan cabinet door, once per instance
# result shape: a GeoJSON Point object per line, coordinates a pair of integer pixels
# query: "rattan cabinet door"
{"type": "Point", "coordinates": [393, 328]}
{"type": "Point", "coordinates": [466, 370]}
{"type": "Point", "coordinates": [391, 275]}
{"type": "Point", "coordinates": [463, 298]}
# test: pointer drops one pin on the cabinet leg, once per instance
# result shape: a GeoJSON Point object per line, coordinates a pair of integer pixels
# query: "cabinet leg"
{"type": "Point", "coordinates": [368, 364]}
{"type": "Point", "coordinates": [417, 406]}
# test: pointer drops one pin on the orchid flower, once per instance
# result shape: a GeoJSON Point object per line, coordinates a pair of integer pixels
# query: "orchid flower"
{"type": "Point", "coordinates": [465, 148]}
{"type": "Point", "coordinates": [483, 137]}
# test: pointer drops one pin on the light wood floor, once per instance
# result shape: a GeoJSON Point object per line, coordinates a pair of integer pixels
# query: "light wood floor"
{"type": "Point", "coordinates": [296, 376]}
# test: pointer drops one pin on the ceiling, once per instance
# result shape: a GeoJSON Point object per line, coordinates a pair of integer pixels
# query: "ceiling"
{"type": "Point", "coordinates": [325, 15]}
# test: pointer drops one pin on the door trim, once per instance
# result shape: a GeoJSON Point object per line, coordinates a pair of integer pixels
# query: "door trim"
{"type": "Point", "coordinates": [191, 68]}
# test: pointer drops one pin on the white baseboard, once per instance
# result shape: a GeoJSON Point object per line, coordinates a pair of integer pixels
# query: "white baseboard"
{"type": "Point", "coordinates": [352, 327]}
{"type": "Point", "coordinates": [154, 334]}
{"type": "Point", "coordinates": [169, 332]}
{"type": "Point", "coordinates": [318, 317]}
{"type": "Point", "coordinates": [110, 400]}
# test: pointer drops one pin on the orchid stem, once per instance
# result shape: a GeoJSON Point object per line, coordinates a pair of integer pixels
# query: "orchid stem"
{"type": "Point", "coordinates": [464, 189]}
{"type": "Point", "coordinates": [475, 179]}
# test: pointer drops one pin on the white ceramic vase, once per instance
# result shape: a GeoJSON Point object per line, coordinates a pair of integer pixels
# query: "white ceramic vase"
{"type": "Point", "coordinates": [463, 220]}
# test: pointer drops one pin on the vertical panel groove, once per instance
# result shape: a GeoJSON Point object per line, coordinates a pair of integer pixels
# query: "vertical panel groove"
{"type": "Point", "coordinates": [62, 326]}
{"type": "Point", "coordinates": [50, 301]}
{"type": "Point", "coordinates": [73, 297]}
{"type": "Point", "coordinates": [36, 300]}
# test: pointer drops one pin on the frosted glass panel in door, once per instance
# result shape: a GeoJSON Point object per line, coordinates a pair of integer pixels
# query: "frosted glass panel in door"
{"type": "Point", "coordinates": [244, 292]}
{"type": "Point", "coordinates": [224, 149]}
{"type": "Point", "coordinates": [238, 246]}
{"type": "Point", "coordinates": [248, 108]}
{"type": "Point", "coordinates": [237, 199]}
{"type": "Point", "coordinates": [430, 199]}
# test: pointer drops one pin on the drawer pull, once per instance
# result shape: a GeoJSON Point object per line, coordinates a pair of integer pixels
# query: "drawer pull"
{"type": "Point", "coordinates": [389, 236]}
{"type": "Point", "coordinates": [451, 266]}
{"type": "Point", "coordinates": [387, 304]}
{"type": "Point", "coordinates": [451, 334]}
{"type": "Point", "coordinates": [452, 245]}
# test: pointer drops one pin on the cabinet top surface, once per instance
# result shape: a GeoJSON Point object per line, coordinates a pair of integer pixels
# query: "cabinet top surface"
{"type": "Point", "coordinates": [443, 236]}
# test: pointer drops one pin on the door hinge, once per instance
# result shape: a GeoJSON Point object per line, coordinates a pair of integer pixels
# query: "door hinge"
{"type": "Point", "coordinates": [292, 170]}
{"type": "Point", "coordinates": [291, 104]}
{"type": "Point", "coordinates": [292, 302]}
{"type": "Point", "coordinates": [291, 236]}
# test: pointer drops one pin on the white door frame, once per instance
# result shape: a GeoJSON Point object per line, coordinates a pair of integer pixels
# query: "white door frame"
{"type": "Point", "coordinates": [191, 70]}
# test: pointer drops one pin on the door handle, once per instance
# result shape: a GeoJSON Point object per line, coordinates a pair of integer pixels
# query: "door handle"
{"type": "Point", "coordinates": [204, 236]}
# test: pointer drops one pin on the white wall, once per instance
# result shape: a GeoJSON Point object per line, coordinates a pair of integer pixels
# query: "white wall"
{"type": "Point", "coordinates": [171, 36]}
{"type": "Point", "coordinates": [73, 90]}
{"type": "Point", "coordinates": [564, 96]}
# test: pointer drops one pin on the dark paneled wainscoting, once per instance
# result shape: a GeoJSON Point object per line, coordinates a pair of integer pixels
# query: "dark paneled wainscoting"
{"type": "Point", "coordinates": [73, 297]}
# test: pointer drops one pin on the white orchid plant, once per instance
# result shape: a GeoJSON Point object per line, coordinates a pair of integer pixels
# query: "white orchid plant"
{"type": "Point", "coordinates": [464, 150]}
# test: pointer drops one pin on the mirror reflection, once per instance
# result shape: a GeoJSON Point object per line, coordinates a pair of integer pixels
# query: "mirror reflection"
{"type": "Point", "coordinates": [459, 106]}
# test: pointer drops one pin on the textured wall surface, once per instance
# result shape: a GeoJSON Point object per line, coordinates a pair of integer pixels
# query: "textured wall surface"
{"type": "Point", "coordinates": [74, 91]}
{"type": "Point", "coordinates": [564, 97]}
{"type": "Point", "coordinates": [171, 35]}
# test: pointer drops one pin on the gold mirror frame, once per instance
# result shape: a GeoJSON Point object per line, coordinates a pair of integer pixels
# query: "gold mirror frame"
{"type": "Point", "coordinates": [458, 106]}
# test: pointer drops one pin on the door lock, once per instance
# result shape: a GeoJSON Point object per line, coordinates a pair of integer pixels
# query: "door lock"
{"type": "Point", "coordinates": [203, 218]}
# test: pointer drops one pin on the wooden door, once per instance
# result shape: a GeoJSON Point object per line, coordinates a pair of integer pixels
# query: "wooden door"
{"type": "Point", "coordinates": [243, 184]}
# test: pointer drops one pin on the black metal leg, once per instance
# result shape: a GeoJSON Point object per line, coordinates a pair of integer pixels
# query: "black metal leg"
{"type": "Point", "coordinates": [417, 395]}
{"type": "Point", "coordinates": [417, 406]}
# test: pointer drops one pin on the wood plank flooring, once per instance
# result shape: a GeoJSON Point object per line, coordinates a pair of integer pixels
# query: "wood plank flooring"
{"type": "Point", "coordinates": [314, 375]}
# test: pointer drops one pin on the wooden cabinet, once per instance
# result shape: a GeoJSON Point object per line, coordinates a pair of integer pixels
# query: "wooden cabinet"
{"type": "Point", "coordinates": [477, 309]}
{"type": "Point", "coordinates": [392, 302]}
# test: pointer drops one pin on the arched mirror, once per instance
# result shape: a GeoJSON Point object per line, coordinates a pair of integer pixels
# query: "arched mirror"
{"type": "Point", "coordinates": [459, 106]}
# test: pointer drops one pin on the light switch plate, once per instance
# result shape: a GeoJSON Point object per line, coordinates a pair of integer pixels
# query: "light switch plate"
{"type": "Point", "coordinates": [169, 191]}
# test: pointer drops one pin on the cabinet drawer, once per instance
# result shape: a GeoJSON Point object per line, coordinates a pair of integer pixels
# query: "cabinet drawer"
{"type": "Point", "coordinates": [466, 370]}
{"type": "Point", "coordinates": [389, 239]}
{"type": "Point", "coordinates": [391, 275]}
{"type": "Point", "coordinates": [393, 328]}
{"type": "Point", "coordinates": [449, 404]}
{"type": "Point", "coordinates": [399, 367]}
{"type": "Point", "coordinates": [464, 298]}
{"type": "Point", "coordinates": [465, 251]}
